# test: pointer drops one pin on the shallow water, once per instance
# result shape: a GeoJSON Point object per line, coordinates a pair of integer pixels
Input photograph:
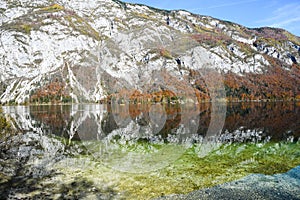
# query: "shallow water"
{"type": "Point", "coordinates": [144, 151]}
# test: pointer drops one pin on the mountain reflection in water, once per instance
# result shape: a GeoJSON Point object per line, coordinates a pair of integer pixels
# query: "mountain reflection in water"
{"type": "Point", "coordinates": [276, 121]}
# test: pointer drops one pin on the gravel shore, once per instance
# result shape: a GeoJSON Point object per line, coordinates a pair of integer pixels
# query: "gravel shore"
{"type": "Point", "coordinates": [255, 186]}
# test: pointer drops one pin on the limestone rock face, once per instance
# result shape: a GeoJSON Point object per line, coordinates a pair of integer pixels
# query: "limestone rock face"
{"type": "Point", "coordinates": [84, 51]}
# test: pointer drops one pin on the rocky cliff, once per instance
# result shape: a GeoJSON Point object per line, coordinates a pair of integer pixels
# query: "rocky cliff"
{"type": "Point", "coordinates": [87, 51]}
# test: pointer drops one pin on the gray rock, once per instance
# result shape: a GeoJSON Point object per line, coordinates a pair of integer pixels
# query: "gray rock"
{"type": "Point", "coordinates": [255, 186]}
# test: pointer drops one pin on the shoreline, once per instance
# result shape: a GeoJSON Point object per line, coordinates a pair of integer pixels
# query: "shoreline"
{"type": "Point", "coordinates": [253, 186]}
{"type": "Point", "coordinates": [149, 103]}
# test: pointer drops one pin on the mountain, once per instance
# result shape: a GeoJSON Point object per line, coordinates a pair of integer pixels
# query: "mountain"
{"type": "Point", "coordinates": [71, 50]}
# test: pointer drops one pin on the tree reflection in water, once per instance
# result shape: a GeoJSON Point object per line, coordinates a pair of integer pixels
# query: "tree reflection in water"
{"type": "Point", "coordinates": [279, 121]}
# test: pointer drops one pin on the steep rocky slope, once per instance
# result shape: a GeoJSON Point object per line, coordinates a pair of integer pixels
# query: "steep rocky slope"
{"type": "Point", "coordinates": [87, 51]}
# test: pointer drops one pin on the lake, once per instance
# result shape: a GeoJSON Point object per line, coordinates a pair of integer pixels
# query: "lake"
{"type": "Point", "coordinates": [144, 151]}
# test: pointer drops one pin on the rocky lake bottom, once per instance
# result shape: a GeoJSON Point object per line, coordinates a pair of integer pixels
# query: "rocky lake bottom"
{"type": "Point", "coordinates": [152, 152]}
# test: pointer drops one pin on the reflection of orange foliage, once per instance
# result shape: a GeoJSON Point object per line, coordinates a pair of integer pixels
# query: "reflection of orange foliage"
{"type": "Point", "coordinates": [136, 109]}
{"type": "Point", "coordinates": [172, 109]}
{"type": "Point", "coordinates": [56, 117]}
{"type": "Point", "coordinates": [173, 113]}
{"type": "Point", "coordinates": [274, 118]}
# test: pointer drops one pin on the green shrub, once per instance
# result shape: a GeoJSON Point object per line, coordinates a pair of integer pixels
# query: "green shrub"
{"type": "Point", "coordinates": [165, 53]}
{"type": "Point", "coordinates": [53, 8]}
{"type": "Point", "coordinates": [4, 124]}
{"type": "Point", "coordinates": [26, 28]}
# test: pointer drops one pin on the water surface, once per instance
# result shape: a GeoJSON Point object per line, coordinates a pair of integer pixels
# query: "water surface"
{"type": "Point", "coordinates": [144, 151]}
